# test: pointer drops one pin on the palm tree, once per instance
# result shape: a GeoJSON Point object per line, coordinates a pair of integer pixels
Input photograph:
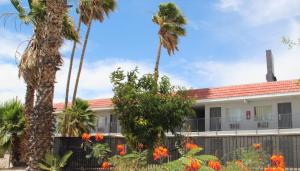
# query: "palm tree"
{"type": "Point", "coordinates": [91, 10]}
{"type": "Point", "coordinates": [80, 119]}
{"type": "Point", "coordinates": [11, 130]}
{"type": "Point", "coordinates": [171, 25]}
{"type": "Point", "coordinates": [28, 66]}
{"type": "Point", "coordinates": [42, 120]}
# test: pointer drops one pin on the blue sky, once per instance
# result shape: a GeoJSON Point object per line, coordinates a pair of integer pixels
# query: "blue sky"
{"type": "Point", "coordinates": [225, 44]}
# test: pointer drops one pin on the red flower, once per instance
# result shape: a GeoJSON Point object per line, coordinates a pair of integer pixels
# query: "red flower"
{"type": "Point", "coordinates": [105, 165]}
{"type": "Point", "coordinates": [85, 137]}
{"type": "Point", "coordinates": [99, 137]}
{"type": "Point", "coordinates": [278, 161]}
{"type": "Point", "coordinates": [121, 149]}
{"type": "Point", "coordinates": [160, 152]}
{"type": "Point", "coordinates": [122, 153]}
{"type": "Point", "coordinates": [256, 146]}
{"type": "Point", "coordinates": [190, 146]}
{"type": "Point", "coordinates": [195, 164]}
{"type": "Point", "coordinates": [140, 146]}
{"type": "Point", "coordinates": [214, 165]}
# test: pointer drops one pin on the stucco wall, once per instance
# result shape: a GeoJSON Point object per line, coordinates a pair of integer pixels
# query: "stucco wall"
{"type": "Point", "coordinates": [248, 105]}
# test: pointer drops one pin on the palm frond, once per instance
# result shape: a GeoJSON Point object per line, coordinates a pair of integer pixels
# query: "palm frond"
{"type": "Point", "coordinates": [171, 25]}
{"type": "Point", "coordinates": [69, 32]}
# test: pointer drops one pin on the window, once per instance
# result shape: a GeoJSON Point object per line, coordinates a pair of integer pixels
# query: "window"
{"type": "Point", "coordinates": [215, 118]}
{"type": "Point", "coordinates": [233, 114]}
{"type": "Point", "coordinates": [263, 113]}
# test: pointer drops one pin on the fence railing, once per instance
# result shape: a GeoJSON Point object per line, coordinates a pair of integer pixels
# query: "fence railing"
{"type": "Point", "coordinates": [224, 147]}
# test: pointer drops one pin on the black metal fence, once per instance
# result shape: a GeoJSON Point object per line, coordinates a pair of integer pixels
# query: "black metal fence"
{"type": "Point", "coordinates": [221, 146]}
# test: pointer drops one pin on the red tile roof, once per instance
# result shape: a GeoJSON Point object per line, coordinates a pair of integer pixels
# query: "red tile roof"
{"type": "Point", "coordinates": [97, 103]}
{"type": "Point", "coordinates": [266, 88]}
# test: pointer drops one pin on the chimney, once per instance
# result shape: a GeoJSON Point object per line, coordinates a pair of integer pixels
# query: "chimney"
{"type": "Point", "coordinates": [270, 67]}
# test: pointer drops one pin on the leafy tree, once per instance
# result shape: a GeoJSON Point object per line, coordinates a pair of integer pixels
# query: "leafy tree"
{"type": "Point", "coordinates": [80, 119]}
{"type": "Point", "coordinates": [11, 129]}
{"type": "Point", "coordinates": [147, 110]}
{"type": "Point", "coordinates": [53, 162]}
{"type": "Point", "coordinates": [171, 25]}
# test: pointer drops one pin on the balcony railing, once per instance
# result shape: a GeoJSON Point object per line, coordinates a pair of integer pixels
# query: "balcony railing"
{"type": "Point", "coordinates": [281, 121]}
{"type": "Point", "coordinates": [235, 125]}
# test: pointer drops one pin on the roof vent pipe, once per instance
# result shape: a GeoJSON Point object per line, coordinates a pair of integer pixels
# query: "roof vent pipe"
{"type": "Point", "coordinates": [270, 67]}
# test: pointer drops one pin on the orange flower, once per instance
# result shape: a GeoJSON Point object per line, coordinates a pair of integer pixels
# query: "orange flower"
{"type": "Point", "coordinates": [85, 137]}
{"type": "Point", "coordinates": [122, 153]}
{"type": "Point", "coordinates": [105, 165]}
{"type": "Point", "coordinates": [256, 146]}
{"type": "Point", "coordinates": [120, 147]}
{"type": "Point", "coordinates": [278, 161]}
{"type": "Point", "coordinates": [195, 164]}
{"type": "Point", "coordinates": [160, 152]}
{"type": "Point", "coordinates": [214, 165]}
{"type": "Point", "coordinates": [99, 137]}
{"type": "Point", "coordinates": [190, 146]}
{"type": "Point", "coordinates": [274, 169]}
{"type": "Point", "coordinates": [241, 165]}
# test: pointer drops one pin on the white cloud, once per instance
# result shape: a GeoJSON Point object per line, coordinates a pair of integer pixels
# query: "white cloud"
{"type": "Point", "coordinates": [2, 2]}
{"type": "Point", "coordinates": [10, 42]}
{"type": "Point", "coordinates": [95, 77]}
{"type": "Point", "coordinates": [253, 69]}
{"type": "Point", "coordinates": [11, 86]}
{"type": "Point", "coordinates": [229, 4]}
{"type": "Point", "coordinates": [262, 11]}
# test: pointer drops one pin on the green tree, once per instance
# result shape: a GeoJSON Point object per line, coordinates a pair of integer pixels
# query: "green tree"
{"type": "Point", "coordinates": [147, 110]}
{"type": "Point", "coordinates": [90, 10]}
{"type": "Point", "coordinates": [11, 129]}
{"type": "Point", "coordinates": [171, 25]}
{"type": "Point", "coordinates": [80, 119]}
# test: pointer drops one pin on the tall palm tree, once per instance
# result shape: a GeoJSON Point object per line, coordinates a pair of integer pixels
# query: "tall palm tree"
{"type": "Point", "coordinates": [11, 130]}
{"type": "Point", "coordinates": [80, 119]}
{"type": "Point", "coordinates": [171, 25]}
{"type": "Point", "coordinates": [42, 121]}
{"type": "Point", "coordinates": [91, 10]}
{"type": "Point", "coordinates": [28, 66]}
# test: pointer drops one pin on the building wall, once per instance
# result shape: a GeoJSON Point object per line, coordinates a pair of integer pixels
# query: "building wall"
{"type": "Point", "coordinates": [248, 105]}
{"type": "Point", "coordinates": [103, 121]}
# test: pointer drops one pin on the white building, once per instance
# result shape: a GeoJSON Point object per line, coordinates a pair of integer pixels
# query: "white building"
{"type": "Point", "coordinates": [270, 107]}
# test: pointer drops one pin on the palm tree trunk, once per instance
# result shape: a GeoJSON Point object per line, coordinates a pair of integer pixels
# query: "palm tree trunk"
{"type": "Point", "coordinates": [82, 56]}
{"type": "Point", "coordinates": [66, 118]}
{"type": "Point", "coordinates": [42, 122]}
{"type": "Point", "coordinates": [71, 66]}
{"type": "Point", "coordinates": [16, 151]}
{"type": "Point", "coordinates": [156, 72]}
{"type": "Point", "coordinates": [29, 104]}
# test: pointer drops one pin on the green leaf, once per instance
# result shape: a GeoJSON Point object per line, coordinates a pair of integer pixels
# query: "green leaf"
{"type": "Point", "coordinates": [205, 168]}
{"type": "Point", "coordinates": [65, 158]}
{"type": "Point", "coordinates": [44, 167]}
{"type": "Point", "coordinates": [206, 157]}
